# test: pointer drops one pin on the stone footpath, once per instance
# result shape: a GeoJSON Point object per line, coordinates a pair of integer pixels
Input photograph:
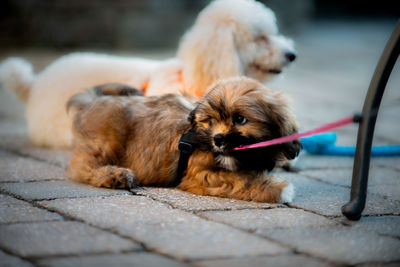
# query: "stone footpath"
{"type": "Point", "coordinates": [46, 220]}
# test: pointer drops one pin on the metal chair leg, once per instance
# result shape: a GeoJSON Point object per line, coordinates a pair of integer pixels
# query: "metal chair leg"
{"type": "Point", "coordinates": [352, 210]}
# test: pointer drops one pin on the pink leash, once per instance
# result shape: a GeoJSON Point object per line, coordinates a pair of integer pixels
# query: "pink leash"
{"type": "Point", "coordinates": [296, 136]}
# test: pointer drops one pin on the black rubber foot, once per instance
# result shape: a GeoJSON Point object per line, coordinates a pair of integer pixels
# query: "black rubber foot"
{"type": "Point", "coordinates": [352, 211]}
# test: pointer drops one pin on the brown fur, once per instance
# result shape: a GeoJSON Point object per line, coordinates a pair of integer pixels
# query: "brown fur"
{"type": "Point", "coordinates": [128, 140]}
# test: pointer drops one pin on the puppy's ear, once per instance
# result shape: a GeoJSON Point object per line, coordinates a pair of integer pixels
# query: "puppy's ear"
{"type": "Point", "coordinates": [208, 53]}
{"type": "Point", "coordinates": [292, 149]}
{"type": "Point", "coordinates": [285, 113]}
{"type": "Point", "coordinates": [192, 117]}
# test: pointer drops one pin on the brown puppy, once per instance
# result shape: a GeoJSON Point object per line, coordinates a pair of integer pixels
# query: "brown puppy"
{"type": "Point", "coordinates": [122, 139]}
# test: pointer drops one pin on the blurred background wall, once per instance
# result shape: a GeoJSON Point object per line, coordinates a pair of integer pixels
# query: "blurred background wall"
{"type": "Point", "coordinates": [150, 24]}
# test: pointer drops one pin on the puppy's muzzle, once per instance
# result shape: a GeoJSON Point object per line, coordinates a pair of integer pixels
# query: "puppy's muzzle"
{"type": "Point", "coordinates": [219, 140]}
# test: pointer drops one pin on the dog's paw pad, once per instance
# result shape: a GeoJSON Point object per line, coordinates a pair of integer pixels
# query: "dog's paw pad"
{"type": "Point", "coordinates": [287, 194]}
{"type": "Point", "coordinates": [126, 179]}
{"type": "Point", "coordinates": [131, 181]}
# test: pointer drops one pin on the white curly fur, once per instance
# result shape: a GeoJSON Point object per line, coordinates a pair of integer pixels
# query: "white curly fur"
{"type": "Point", "coordinates": [288, 194]}
{"type": "Point", "coordinates": [229, 38]}
{"type": "Point", "coordinates": [17, 74]}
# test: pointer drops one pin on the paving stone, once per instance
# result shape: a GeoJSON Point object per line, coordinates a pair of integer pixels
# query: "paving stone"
{"type": "Point", "coordinates": [391, 162]}
{"type": "Point", "coordinates": [142, 259]}
{"type": "Point", "coordinates": [60, 238]}
{"type": "Point", "coordinates": [263, 261]}
{"type": "Point", "coordinates": [59, 157]}
{"type": "Point", "coordinates": [14, 137]}
{"type": "Point", "coordinates": [327, 199]}
{"type": "Point", "coordinates": [387, 225]}
{"type": "Point", "coordinates": [11, 142]}
{"type": "Point", "coordinates": [14, 168]}
{"type": "Point", "coordinates": [385, 126]}
{"type": "Point", "coordinates": [306, 161]}
{"type": "Point", "coordinates": [386, 190]}
{"type": "Point", "coordinates": [7, 260]}
{"type": "Point", "coordinates": [10, 127]}
{"type": "Point", "coordinates": [21, 145]}
{"type": "Point", "coordinates": [257, 220]}
{"type": "Point", "coordinates": [339, 243]}
{"type": "Point", "coordinates": [190, 202]}
{"type": "Point", "coordinates": [164, 229]}
{"type": "Point", "coordinates": [382, 181]}
{"type": "Point", "coordinates": [13, 210]}
{"type": "Point", "coordinates": [56, 189]}
{"type": "Point", "coordinates": [377, 176]}
{"type": "Point", "coordinates": [379, 264]}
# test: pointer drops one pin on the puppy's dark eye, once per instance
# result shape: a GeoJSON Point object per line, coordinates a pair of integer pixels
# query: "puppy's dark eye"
{"type": "Point", "coordinates": [239, 119]}
{"type": "Point", "coordinates": [263, 38]}
{"type": "Point", "coordinates": [207, 120]}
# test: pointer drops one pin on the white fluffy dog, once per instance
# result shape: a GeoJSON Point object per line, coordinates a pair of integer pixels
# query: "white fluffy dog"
{"type": "Point", "coordinates": [229, 38]}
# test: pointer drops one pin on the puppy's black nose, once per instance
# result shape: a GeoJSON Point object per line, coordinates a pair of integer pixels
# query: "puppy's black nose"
{"type": "Point", "coordinates": [219, 139]}
{"type": "Point", "coordinates": [290, 56]}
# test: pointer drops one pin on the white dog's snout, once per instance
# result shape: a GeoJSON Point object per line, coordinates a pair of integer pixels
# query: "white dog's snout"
{"type": "Point", "coordinates": [286, 44]}
{"type": "Point", "coordinates": [290, 56]}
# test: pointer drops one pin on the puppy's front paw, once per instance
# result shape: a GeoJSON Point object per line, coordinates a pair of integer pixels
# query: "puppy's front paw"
{"type": "Point", "coordinates": [287, 194]}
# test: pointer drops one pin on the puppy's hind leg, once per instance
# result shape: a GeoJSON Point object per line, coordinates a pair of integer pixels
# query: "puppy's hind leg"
{"type": "Point", "coordinates": [100, 131]}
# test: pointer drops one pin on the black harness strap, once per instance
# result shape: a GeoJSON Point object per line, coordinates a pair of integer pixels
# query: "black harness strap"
{"type": "Point", "coordinates": [186, 146]}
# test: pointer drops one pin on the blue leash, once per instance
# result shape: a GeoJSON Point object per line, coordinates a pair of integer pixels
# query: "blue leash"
{"type": "Point", "coordinates": [324, 144]}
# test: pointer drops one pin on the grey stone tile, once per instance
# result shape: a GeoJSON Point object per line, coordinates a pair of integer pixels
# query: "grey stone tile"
{"type": "Point", "coordinates": [265, 261]}
{"type": "Point", "coordinates": [339, 243]}
{"type": "Point", "coordinates": [387, 225]}
{"type": "Point", "coordinates": [142, 259]}
{"type": "Point", "coordinates": [256, 220]}
{"type": "Point", "coordinates": [382, 180]}
{"type": "Point", "coordinates": [7, 260]}
{"type": "Point", "coordinates": [60, 238]}
{"type": "Point", "coordinates": [9, 127]}
{"type": "Point", "coordinates": [377, 176]}
{"type": "Point", "coordinates": [380, 264]}
{"type": "Point", "coordinates": [14, 168]}
{"type": "Point", "coordinates": [57, 157]}
{"type": "Point", "coordinates": [391, 162]}
{"type": "Point", "coordinates": [190, 202]}
{"type": "Point", "coordinates": [14, 137]}
{"type": "Point", "coordinates": [12, 142]}
{"type": "Point", "coordinates": [169, 231]}
{"type": "Point", "coordinates": [327, 199]}
{"type": "Point", "coordinates": [387, 126]}
{"type": "Point", "coordinates": [306, 161]}
{"type": "Point", "coordinates": [386, 190]}
{"type": "Point", "coordinates": [13, 210]}
{"type": "Point", "coordinates": [22, 146]}
{"type": "Point", "coordinates": [57, 189]}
